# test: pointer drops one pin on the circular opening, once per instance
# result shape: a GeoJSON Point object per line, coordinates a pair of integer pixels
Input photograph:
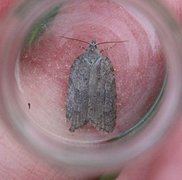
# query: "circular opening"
{"type": "Point", "coordinates": [55, 81]}
{"type": "Point", "coordinates": [110, 94]}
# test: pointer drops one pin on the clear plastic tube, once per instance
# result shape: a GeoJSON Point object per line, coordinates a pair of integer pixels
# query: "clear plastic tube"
{"type": "Point", "coordinates": [44, 129]}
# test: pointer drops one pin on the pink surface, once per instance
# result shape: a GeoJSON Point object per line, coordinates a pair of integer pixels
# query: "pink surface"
{"type": "Point", "coordinates": [164, 163]}
{"type": "Point", "coordinates": [138, 63]}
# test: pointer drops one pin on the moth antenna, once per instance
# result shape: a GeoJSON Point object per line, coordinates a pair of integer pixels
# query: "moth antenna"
{"type": "Point", "coordinates": [111, 42]}
{"type": "Point", "coordinates": [74, 39]}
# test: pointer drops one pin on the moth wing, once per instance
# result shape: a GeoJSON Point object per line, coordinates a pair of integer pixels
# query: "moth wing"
{"type": "Point", "coordinates": [104, 107]}
{"type": "Point", "coordinates": [77, 100]}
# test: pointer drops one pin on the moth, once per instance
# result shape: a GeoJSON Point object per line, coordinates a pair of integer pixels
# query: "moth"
{"type": "Point", "coordinates": [92, 94]}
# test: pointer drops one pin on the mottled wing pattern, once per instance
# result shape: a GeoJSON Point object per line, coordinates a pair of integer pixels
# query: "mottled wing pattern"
{"type": "Point", "coordinates": [102, 105]}
{"type": "Point", "coordinates": [92, 92]}
{"type": "Point", "coordinates": [77, 101]}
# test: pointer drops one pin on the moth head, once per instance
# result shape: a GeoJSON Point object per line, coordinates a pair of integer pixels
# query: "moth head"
{"type": "Point", "coordinates": [93, 45]}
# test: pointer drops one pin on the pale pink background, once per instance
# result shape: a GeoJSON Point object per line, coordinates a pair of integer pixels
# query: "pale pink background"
{"type": "Point", "coordinates": [163, 162]}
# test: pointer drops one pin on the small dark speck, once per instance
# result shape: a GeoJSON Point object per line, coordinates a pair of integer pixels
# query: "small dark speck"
{"type": "Point", "coordinates": [29, 105]}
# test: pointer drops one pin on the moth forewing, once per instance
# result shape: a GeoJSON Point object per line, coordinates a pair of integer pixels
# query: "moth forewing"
{"type": "Point", "coordinates": [92, 91]}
